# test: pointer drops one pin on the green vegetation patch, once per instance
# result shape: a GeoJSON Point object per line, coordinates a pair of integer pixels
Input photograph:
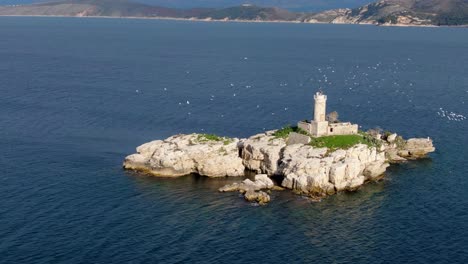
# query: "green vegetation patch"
{"type": "Point", "coordinates": [284, 132]}
{"type": "Point", "coordinates": [392, 19]}
{"type": "Point", "coordinates": [400, 142]}
{"type": "Point", "coordinates": [452, 18]}
{"type": "Point", "coordinates": [341, 141]}
{"type": "Point", "coordinates": [213, 137]}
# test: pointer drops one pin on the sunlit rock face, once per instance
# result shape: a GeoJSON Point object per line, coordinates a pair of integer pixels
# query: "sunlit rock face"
{"type": "Point", "coordinates": [185, 154]}
{"type": "Point", "coordinates": [316, 172]}
{"type": "Point", "coordinates": [262, 152]}
{"type": "Point", "coordinates": [303, 168]}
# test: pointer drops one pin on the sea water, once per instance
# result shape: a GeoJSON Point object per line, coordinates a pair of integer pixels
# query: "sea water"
{"type": "Point", "coordinates": [78, 95]}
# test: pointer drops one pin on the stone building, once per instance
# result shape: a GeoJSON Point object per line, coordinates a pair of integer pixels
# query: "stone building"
{"type": "Point", "coordinates": [319, 126]}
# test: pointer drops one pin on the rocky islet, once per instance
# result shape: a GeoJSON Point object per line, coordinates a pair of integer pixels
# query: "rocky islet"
{"type": "Point", "coordinates": [302, 168]}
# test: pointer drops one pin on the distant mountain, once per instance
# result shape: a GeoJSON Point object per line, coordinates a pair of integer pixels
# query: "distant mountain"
{"type": "Point", "coordinates": [296, 5]}
{"type": "Point", "coordinates": [400, 12]}
{"type": "Point", "coordinates": [250, 12]}
{"type": "Point", "coordinates": [384, 12]}
{"type": "Point", "coordinates": [291, 5]}
{"type": "Point", "coordinates": [125, 8]}
{"type": "Point", "coordinates": [80, 8]}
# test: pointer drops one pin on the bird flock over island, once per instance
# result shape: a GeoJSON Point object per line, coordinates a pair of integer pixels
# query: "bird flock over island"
{"type": "Point", "coordinates": [366, 80]}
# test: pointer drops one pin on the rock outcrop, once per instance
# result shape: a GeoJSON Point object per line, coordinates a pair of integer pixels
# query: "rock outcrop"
{"type": "Point", "coordinates": [251, 189]}
{"type": "Point", "coordinates": [397, 149]}
{"type": "Point", "coordinates": [185, 154]}
{"type": "Point", "coordinates": [261, 153]}
{"type": "Point", "coordinates": [261, 181]}
{"type": "Point", "coordinates": [316, 172]}
{"type": "Point", "coordinates": [417, 148]}
{"type": "Point", "coordinates": [305, 169]}
{"type": "Point", "coordinates": [260, 197]}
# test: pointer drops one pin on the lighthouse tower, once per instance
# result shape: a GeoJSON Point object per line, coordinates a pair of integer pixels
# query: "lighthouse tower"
{"type": "Point", "coordinates": [320, 107]}
{"type": "Point", "coordinates": [319, 125]}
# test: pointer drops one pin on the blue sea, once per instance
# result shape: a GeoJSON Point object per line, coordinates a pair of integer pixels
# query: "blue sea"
{"type": "Point", "coordinates": [78, 95]}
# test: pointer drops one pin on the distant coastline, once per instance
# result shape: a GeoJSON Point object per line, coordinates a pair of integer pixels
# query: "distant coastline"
{"type": "Point", "coordinates": [234, 21]}
{"type": "Point", "coordinates": [382, 13]}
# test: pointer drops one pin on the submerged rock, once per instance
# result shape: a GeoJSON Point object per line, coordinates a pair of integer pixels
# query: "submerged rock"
{"type": "Point", "coordinates": [260, 197]}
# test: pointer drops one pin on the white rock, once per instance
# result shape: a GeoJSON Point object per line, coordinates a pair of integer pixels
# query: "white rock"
{"type": "Point", "coordinates": [419, 147]}
{"type": "Point", "coordinates": [338, 175]}
{"type": "Point", "coordinates": [310, 171]}
{"type": "Point", "coordinates": [184, 154]}
{"type": "Point", "coordinates": [261, 153]}
{"type": "Point", "coordinates": [264, 181]}
{"type": "Point", "coordinates": [355, 183]}
{"type": "Point", "coordinates": [375, 169]}
{"type": "Point", "coordinates": [353, 168]}
{"type": "Point", "coordinates": [391, 137]}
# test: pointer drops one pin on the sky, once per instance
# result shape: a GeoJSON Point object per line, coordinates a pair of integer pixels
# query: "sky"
{"type": "Point", "coordinates": [295, 5]}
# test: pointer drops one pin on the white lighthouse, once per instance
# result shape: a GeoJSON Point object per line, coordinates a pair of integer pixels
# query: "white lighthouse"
{"type": "Point", "coordinates": [319, 126]}
{"type": "Point", "coordinates": [320, 107]}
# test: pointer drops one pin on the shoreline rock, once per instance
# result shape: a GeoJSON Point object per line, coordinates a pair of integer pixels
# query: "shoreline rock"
{"type": "Point", "coordinates": [304, 169]}
{"type": "Point", "coordinates": [181, 155]}
{"type": "Point", "coordinates": [252, 189]}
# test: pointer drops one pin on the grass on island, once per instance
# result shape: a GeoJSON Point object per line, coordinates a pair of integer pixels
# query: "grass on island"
{"type": "Point", "coordinates": [331, 142]}
{"type": "Point", "coordinates": [213, 137]}
{"type": "Point", "coordinates": [345, 141]}
{"type": "Point", "coordinates": [284, 132]}
{"type": "Point", "coordinates": [338, 142]}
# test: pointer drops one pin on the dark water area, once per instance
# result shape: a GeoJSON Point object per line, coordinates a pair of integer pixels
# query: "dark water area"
{"type": "Point", "coordinates": [78, 95]}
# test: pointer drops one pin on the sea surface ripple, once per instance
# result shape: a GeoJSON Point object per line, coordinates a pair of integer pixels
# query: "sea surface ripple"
{"type": "Point", "coordinates": [78, 95]}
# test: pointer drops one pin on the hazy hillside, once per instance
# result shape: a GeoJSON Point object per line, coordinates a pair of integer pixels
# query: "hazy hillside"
{"type": "Point", "coordinates": [438, 12]}
{"type": "Point", "coordinates": [116, 8]}
{"type": "Point", "coordinates": [296, 5]}
{"type": "Point", "coordinates": [251, 13]}
{"type": "Point", "coordinates": [387, 12]}
{"type": "Point", "coordinates": [401, 12]}
{"type": "Point", "coordinates": [124, 8]}
{"type": "Point", "coordinates": [292, 5]}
